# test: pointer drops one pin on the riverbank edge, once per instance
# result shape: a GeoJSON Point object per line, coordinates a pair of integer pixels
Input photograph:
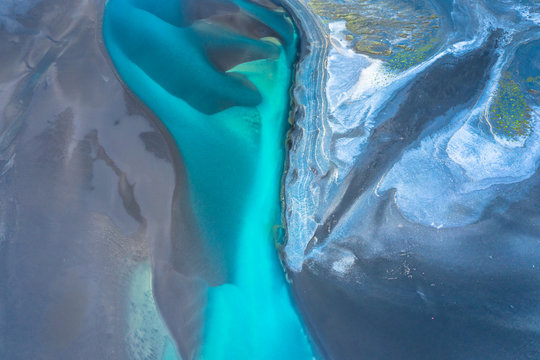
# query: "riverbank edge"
{"type": "Point", "coordinates": [311, 45]}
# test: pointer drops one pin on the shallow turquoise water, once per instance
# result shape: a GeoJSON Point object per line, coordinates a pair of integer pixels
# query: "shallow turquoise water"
{"type": "Point", "coordinates": [230, 128]}
{"type": "Point", "coordinates": [146, 333]}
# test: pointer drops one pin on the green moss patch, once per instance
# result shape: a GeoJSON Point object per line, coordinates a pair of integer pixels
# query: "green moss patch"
{"type": "Point", "coordinates": [408, 57]}
{"type": "Point", "coordinates": [390, 30]}
{"type": "Point", "coordinates": [509, 112]}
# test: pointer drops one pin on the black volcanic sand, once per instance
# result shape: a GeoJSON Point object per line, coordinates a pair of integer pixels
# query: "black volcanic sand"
{"type": "Point", "coordinates": [417, 292]}
{"type": "Point", "coordinates": [472, 299]}
{"type": "Point", "coordinates": [467, 294]}
{"type": "Point", "coordinates": [354, 324]}
{"type": "Point", "coordinates": [88, 181]}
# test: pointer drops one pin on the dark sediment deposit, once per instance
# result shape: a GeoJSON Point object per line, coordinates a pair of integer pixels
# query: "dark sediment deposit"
{"type": "Point", "coordinates": [88, 179]}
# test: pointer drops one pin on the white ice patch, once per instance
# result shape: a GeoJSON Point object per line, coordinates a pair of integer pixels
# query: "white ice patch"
{"type": "Point", "coordinates": [345, 69]}
{"type": "Point", "coordinates": [337, 28]}
{"type": "Point", "coordinates": [371, 78]}
{"type": "Point", "coordinates": [529, 12]}
{"type": "Point", "coordinates": [356, 90]}
{"type": "Point", "coordinates": [347, 148]}
{"type": "Point", "coordinates": [344, 265]}
{"type": "Point", "coordinates": [448, 179]}
{"type": "Point", "coordinates": [487, 161]}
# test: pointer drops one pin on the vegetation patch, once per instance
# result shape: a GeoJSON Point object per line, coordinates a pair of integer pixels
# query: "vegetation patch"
{"type": "Point", "coordinates": [395, 31]}
{"type": "Point", "coordinates": [408, 57]}
{"type": "Point", "coordinates": [509, 112]}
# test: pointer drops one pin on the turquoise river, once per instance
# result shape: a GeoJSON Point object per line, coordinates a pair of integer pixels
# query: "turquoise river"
{"type": "Point", "coordinates": [218, 75]}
